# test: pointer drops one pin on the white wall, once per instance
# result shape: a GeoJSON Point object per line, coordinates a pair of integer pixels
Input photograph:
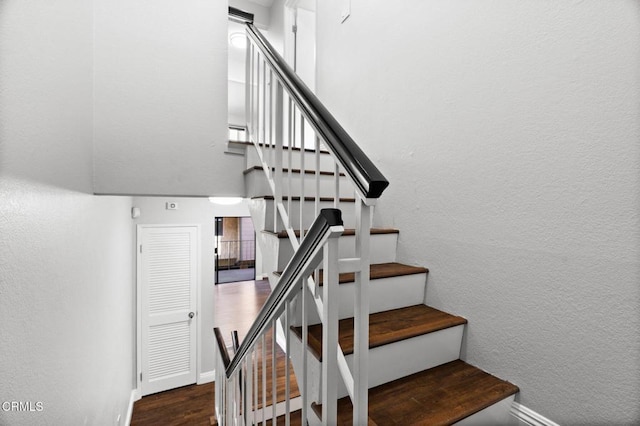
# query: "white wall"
{"type": "Point", "coordinates": [509, 132]}
{"type": "Point", "coordinates": [66, 285]}
{"type": "Point", "coordinates": [277, 27]}
{"type": "Point", "coordinates": [194, 211]}
{"type": "Point", "coordinates": [161, 99]}
{"type": "Point", "coordinates": [306, 47]}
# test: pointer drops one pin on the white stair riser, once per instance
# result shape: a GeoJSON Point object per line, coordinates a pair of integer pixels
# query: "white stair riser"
{"type": "Point", "coordinates": [259, 415]}
{"type": "Point", "coordinates": [256, 185]}
{"type": "Point", "coordinates": [269, 250]}
{"type": "Point", "coordinates": [385, 294]}
{"type": "Point", "coordinates": [396, 360]}
{"type": "Point", "coordinates": [382, 248]}
{"type": "Point", "coordinates": [497, 414]}
{"type": "Point", "coordinates": [262, 213]}
{"type": "Point", "coordinates": [326, 160]}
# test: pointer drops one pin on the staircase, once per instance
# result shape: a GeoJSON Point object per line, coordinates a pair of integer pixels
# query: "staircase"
{"type": "Point", "coordinates": [352, 320]}
{"type": "Point", "coordinates": [414, 349]}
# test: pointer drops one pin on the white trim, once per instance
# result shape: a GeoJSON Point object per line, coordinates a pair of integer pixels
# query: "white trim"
{"type": "Point", "coordinates": [136, 250]}
{"type": "Point", "coordinates": [207, 377]}
{"type": "Point", "coordinates": [198, 300]}
{"type": "Point", "coordinates": [529, 417]}
{"type": "Point", "coordinates": [135, 395]}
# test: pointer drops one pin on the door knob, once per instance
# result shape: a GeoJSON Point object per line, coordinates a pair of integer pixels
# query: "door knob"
{"type": "Point", "coordinates": [191, 314]}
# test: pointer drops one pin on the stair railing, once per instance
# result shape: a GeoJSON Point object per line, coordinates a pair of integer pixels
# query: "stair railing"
{"type": "Point", "coordinates": [238, 381]}
{"type": "Point", "coordinates": [283, 117]}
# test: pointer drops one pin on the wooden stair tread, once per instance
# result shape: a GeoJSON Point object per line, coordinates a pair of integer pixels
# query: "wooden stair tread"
{"type": "Point", "coordinates": [297, 198]}
{"type": "Point", "coordinates": [294, 171]}
{"type": "Point", "coordinates": [344, 418]}
{"type": "Point", "coordinates": [378, 271]}
{"type": "Point", "coordinates": [347, 232]}
{"type": "Point", "coordinates": [442, 395]}
{"type": "Point", "coordinates": [281, 361]}
{"type": "Point", "coordinates": [386, 327]}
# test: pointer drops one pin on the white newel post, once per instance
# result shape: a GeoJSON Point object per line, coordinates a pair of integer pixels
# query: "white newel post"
{"type": "Point", "coordinates": [330, 333]}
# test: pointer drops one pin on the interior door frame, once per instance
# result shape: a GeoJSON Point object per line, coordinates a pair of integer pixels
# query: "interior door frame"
{"type": "Point", "coordinates": [198, 261]}
{"type": "Point", "coordinates": [217, 243]}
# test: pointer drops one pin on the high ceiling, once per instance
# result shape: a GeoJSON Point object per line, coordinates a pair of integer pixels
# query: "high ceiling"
{"type": "Point", "coordinates": [265, 3]}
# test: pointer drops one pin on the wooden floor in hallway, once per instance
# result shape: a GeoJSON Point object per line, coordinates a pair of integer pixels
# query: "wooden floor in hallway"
{"type": "Point", "coordinates": [189, 405]}
{"type": "Point", "coordinates": [236, 306]}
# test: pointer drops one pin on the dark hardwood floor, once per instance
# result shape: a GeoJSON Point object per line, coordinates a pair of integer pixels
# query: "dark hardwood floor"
{"type": "Point", "coordinates": [189, 405]}
{"type": "Point", "coordinates": [236, 306]}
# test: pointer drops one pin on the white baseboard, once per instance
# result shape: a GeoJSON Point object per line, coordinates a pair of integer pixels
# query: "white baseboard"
{"type": "Point", "coordinates": [529, 417]}
{"type": "Point", "coordinates": [135, 395]}
{"type": "Point", "coordinates": [207, 377]}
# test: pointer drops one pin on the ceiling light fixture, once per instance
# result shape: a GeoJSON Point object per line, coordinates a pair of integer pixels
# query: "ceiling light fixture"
{"type": "Point", "coordinates": [225, 201]}
{"type": "Point", "coordinates": [238, 40]}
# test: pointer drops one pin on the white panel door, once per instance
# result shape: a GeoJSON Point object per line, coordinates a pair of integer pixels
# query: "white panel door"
{"type": "Point", "coordinates": [168, 262]}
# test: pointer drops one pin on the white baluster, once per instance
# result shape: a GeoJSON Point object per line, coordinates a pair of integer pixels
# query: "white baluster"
{"type": "Point", "coordinates": [257, 100]}
{"type": "Point", "coordinates": [255, 383]}
{"type": "Point", "coordinates": [271, 100]}
{"type": "Point", "coordinates": [274, 373]}
{"type": "Point", "coordinates": [361, 317]}
{"type": "Point", "coordinates": [302, 178]}
{"type": "Point", "coordinates": [317, 177]}
{"type": "Point", "coordinates": [230, 401]}
{"type": "Point", "coordinates": [247, 84]}
{"type": "Point", "coordinates": [263, 139]}
{"type": "Point", "coordinates": [305, 342]}
{"type": "Point", "coordinates": [264, 380]}
{"type": "Point", "coordinates": [287, 373]}
{"type": "Point", "coordinates": [336, 200]}
{"type": "Point", "coordinates": [278, 154]}
{"type": "Point", "coordinates": [248, 380]}
{"type": "Point", "coordinates": [291, 142]}
{"type": "Point", "coordinates": [330, 333]}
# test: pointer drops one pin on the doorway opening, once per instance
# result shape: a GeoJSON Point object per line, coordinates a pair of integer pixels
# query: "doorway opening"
{"type": "Point", "coordinates": [235, 252]}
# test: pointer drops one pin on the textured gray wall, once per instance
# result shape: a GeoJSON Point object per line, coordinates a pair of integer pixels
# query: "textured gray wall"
{"type": "Point", "coordinates": [161, 99]}
{"type": "Point", "coordinates": [66, 280]}
{"type": "Point", "coordinates": [509, 132]}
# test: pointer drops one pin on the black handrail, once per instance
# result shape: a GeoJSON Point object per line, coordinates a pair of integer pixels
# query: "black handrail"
{"type": "Point", "coordinates": [369, 180]}
{"type": "Point", "coordinates": [240, 15]}
{"type": "Point", "coordinates": [290, 282]}
{"type": "Point", "coordinates": [222, 348]}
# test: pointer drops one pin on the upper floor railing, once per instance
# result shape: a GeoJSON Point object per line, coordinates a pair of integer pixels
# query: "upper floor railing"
{"type": "Point", "coordinates": [364, 175]}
